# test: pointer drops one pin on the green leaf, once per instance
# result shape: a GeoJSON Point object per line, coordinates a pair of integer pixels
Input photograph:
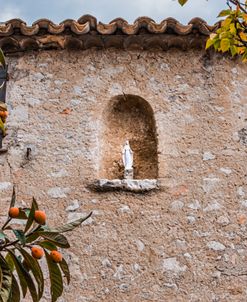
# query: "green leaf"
{"type": "Point", "coordinates": [224, 13]}
{"type": "Point", "coordinates": [225, 45]}
{"type": "Point", "coordinates": [34, 266]}
{"type": "Point", "coordinates": [20, 236]}
{"type": "Point", "coordinates": [70, 226]}
{"type": "Point", "coordinates": [13, 198]}
{"type": "Point", "coordinates": [47, 245]}
{"type": "Point", "coordinates": [22, 215]}
{"type": "Point", "coordinates": [25, 278]}
{"type": "Point", "coordinates": [2, 58]}
{"type": "Point", "coordinates": [56, 238]}
{"type": "Point", "coordinates": [56, 279]}
{"type": "Point", "coordinates": [15, 291]}
{"type": "Point", "coordinates": [2, 235]}
{"type": "Point", "coordinates": [226, 22]}
{"type": "Point", "coordinates": [182, 2]}
{"type": "Point", "coordinates": [30, 220]}
{"type": "Point", "coordinates": [10, 262]}
{"type": "Point", "coordinates": [209, 43]}
{"type": "Point", "coordinates": [21, 277]}
{"type": "Point", "coordinates": [1, 277]}
{"type": "Point", "coordinates": [217, 45]}
{"type": "Point", "coordinates": [32, 237]}
{"type": "Point", "coordinates": [65, 269]}
{"type": "Point", "coordinates": [233, 50]}
{"type": "Point", "coordinates": [6, 280]}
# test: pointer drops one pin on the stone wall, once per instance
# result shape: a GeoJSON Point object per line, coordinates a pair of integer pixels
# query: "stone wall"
{"type": "Point", "coordinates": [184, 242]}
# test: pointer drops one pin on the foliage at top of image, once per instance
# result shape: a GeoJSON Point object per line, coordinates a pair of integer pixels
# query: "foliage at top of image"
{"type": "Point", "coordinates": [232, 34]}
{"type": "Point", "coordinates": [22, 248]}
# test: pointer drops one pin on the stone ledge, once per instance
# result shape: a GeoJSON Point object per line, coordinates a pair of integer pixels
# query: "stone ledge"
{"type": "Point", "coordinates": [131, 185]}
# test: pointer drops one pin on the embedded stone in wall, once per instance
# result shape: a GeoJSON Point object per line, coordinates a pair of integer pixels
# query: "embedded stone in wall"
{"type": "Point", "coordinates": [5, 186]}
{"type": "Point", "coordinates": [133, 185]}
{"type": "Point", "coordinates": [172, 264]}
{"type": "Point", "coordinates": [243, 136]}
{"type": "Point", "coordinates": [58, 192]}
{"type": "Point", "coordinates": [216, 246]}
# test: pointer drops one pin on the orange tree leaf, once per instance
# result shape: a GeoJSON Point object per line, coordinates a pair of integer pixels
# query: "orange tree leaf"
{"type": "Point", "coordinates": [6, 280]}
{"type": "Point", "coordinates": [34, 266]}
{"type": "Point", "coordinates": [15, 291]}
{"type": "Point", "coordinates": [47, 245]}
{"type": "Point", "coordinates": [182, 2]}
{"type": "Point", "coordinates": [56, 238]}
{"type": "Point", "coordinates": [70, 226]}
{"type": "Point", "coordinates": [56, 280]}
{"type": "Point", "coordinates": [13, 198]}
{"type": "Point", "coordinates": [65, 269]}
{"type": "Point", "coordinates": [30, 220]}
{"type": "Point", "coordinates": [25, 278]}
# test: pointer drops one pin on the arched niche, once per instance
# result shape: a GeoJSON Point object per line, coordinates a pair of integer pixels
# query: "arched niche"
{"type": "Point", "coordinates": [129, 117]}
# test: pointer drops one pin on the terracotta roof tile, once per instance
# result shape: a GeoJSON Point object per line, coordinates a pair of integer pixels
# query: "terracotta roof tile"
{"type": "Point", "coordinates": [86, 32]}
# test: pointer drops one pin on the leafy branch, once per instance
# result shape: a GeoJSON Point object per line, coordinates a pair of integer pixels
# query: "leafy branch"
{"type": "Point", "coordinates": [20, 271]}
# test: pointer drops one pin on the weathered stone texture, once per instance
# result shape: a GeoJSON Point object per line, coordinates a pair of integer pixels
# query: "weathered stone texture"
{"type": "Point", "coordinates": [184, 242]}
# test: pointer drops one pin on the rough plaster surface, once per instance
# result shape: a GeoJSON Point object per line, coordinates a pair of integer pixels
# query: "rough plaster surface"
{"type": "Point", "coordinates": [185, 242]}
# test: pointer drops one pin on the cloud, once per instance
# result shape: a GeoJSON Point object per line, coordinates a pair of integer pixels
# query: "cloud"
{"type": "Point", "coordinates": [106, 10]}
{"type": "Point", "coordinates": [8, 12]}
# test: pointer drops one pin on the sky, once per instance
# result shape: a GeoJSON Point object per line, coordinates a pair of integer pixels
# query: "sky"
{"type": "Point", "coordinates": [107, 10]}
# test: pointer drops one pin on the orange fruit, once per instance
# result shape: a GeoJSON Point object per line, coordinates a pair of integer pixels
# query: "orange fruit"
{"type": "Point", "coordinates": [40, 217]}
{"type": "Point", "coordinates": [37, 252]}
{"type": "Point", "coordinates": [4, 113]}
{"type": "Point", "coordinates": [14, 212]}
{"type": "Point", "coordinates": [56, 256]}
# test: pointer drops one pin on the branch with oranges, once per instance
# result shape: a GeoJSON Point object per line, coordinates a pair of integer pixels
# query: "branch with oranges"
{"type": "Point", "coordinates": [22, 248]}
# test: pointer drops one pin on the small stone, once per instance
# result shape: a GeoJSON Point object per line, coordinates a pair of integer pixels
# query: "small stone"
{"type": "Point", "coordinates": [244, 203]}
{"type": "Point", "coordinates": [195, 205]}
{"type": "Point", "coordinates": [216, 274]}
{"type": "Point", "coordinates": [177, 205]}
{"type": "Point", "coordinates": [212, 207]}
{"type": "Point", "coordinates": [140, 245]}
{"type": "Point", "coordinates": [77, 90]}
{"type": "Point", "coordinates": [208, 156]}
{"type": "Point", "coordinates": [191, 219]}
{"type": "Point", "coordinates": [226, 171]}
{"type": "Point", "coordinates": [171, 264]}
{"type": "Point", "coordinates": [5, 186]}
{"type": "Point", "coordinates": [243, 136]}
{"type": "Point", "coordinates": [125, 209]}
{"type": "Point", "coordinates": [187, 255]}
{"type": "Point", "coordinates": [58, 192]}
{"type": "Point", "coordinates": [209, 184]}
{"type": "Point", "coordinates": [181, 244]}
{"type": "Point", "coordinates": [123, 287]}
{"type": "Point", "coordinates": [216, 246]}
{"type": "Point", "coordinates": [223, 220]}
{"type": "Point", "coordinates": [241, 192]}
{"type": "Point", "coordinates": [119, 272]}
{"type": "Point", "coordinates": [74, 206]}
{"type": "Point", "coordinates": [60, 173]}
{"type": "Point", "coordinates": [75, 102]}
{"type": "Point", "coordinates": [171, 285]}
{"type": "Point", "coordinates": [38, 76]}
{"type": "Point", "coordinates": [106, 262]}
{"type": "Point", "coordinates": [136, 267]}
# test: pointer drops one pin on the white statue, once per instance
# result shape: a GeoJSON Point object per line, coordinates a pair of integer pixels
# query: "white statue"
{"type": "Point", "coordinates": [127, 155]}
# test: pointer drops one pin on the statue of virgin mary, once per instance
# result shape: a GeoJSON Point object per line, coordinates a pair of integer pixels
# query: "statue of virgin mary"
{"type": "Point", "coordinates": [127, 155]}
